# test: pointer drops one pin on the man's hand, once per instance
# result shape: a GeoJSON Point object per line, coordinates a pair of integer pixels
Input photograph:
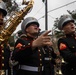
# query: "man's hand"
{"type": "Point", "coordinates": [42, 40]}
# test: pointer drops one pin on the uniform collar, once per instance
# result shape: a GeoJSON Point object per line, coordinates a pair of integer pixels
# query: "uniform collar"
{"type": "Point", "coordinates": [26, 36]}
{"type": "Point", "coordinates": [30, 38]}
{"type": "Point", "coordinates": [71, 35]}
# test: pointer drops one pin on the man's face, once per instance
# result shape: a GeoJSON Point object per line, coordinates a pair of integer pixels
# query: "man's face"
{"type": "Point", "coordinates": [69, 28]}
{"type": "Point", "coordinates": [32, 29]}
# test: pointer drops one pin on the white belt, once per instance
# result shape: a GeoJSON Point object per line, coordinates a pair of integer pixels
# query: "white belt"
{"type": "Point", "coordinates": [30, 68]}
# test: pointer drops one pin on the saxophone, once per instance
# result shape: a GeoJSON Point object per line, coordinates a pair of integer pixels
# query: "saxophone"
{"type": "Point", "coordinates": [11, 24]}
{"type": "Point", "coordinates": [14, 21]}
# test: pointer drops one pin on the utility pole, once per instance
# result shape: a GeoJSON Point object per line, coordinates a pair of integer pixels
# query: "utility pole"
{"type": "Point", "coordinates": [46, 14]}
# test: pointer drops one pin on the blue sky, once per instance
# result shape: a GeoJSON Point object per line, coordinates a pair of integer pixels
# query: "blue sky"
{"type": "Point", "coordinates": [39, 10]}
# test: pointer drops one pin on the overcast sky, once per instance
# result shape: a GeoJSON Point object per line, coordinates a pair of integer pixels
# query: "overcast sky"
{"type": "Point", "coordinates": [39, 10]}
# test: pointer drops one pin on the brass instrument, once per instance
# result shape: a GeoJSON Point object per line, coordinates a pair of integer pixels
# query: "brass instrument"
{"type": "Point", "coordinates": [14, 21]}
{"type": "Point", "coordinates": [11, 25]}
